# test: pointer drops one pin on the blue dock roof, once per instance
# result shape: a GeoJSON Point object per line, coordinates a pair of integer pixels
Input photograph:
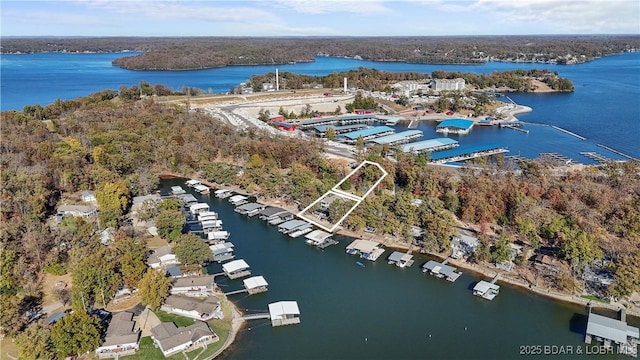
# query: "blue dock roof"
{"type": "Point", "coordinates": [367, 132]}
{"type": "Point", "coordinates": [430, 144]}
{"type": "Point", "coordinates": [403, 135]}
{"type": "Point", "coordinates": [323, 128]}
{"type": "Point", "coordinates": [465, 150]}
{"type": "Point", "coordinates": [456, 123]}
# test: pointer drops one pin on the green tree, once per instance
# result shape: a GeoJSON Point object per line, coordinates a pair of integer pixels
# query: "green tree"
{"type": "Point", "coordinates": [627, 276]}
{"type": "Point", "coordinates": [169, 204]}
{"type": "Point", "coordinates": [330, 134]}
{"type": "Point", "coordinates": [76, 333]}
{"type": "Point", "coordinates": [191, 249]}
{"type": "Point", "coordinates": [483, 251]}
{"type": "Point", "coordinates": [170, 224]}
{"type": "Point", "coordinates": [113, 201]}
{"type": "Point", "coordinates": [11, 316]}
{"type": "Point", "coordinates": [131, 252]}
{"type": "Point", "coordinates": [96, 278]}
{"type": "Point", "coordinates": [154, 288]}
{"type": "Point", "coordinates": [360, 143]}
{"type": "Point", "coordinates": [502, 251]}
{"type": "Point", "coordinates": [35, 343]}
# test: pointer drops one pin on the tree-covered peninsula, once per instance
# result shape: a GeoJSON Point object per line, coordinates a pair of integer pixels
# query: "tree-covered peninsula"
{"type": "Point", "coordinates": [119, 145]}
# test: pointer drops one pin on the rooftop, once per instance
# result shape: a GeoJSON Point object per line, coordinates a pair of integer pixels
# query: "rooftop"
{"type": "Point", "coordinates": [401, 136]}
{"type": "Point", "coordinates": [188, 281]}
{"type": "Point", "coordinates": [429, 145]}
{"type": "Point", "coordinates": [292, 224]}
{"type": "Point", "coordinates": [250, 207]}
{"type": "Point", "coordinates": [611, 329]}
{"type": "Point", "coordinates": [270, 211]}
{"type": "Point", "coordinates": [484, 286]}
{"type": "Point", "coordinates": [367, 132]}
{"type": "Point", "coordinates": [439, 268]}
{"type": "Point", "coordinates": [464, 151]}
{"type": "Point", "coordinates": [456, 123]}
{"type": "Point", "coordinates": [343, 128]}
{"type": "Point", "coordinates": [254, 282]}
{"type": "Point", "coordinates": [318, 236]}
{"type": "Point", "coordinates": [365, 246]}
{"type": "Point", "coordinates": [280, 308]}
{"type": "Point", "coordinates": [235, 265]}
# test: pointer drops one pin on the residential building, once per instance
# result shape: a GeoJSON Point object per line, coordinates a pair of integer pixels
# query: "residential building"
{"type": "Point", "coordinates": [203, 309]}
{"type": "Point", "coordinates": [83, 211]}
{"type": "Point", "coordinates": [121, 338]}
{"type": "Point", "coordinates": [193, 285]}
{"type": "Point", "coordinates": [447, 84]}
{"type": "Point", "coordinates": [162, 257]}
{"type": "Point", "coordinates": [172, 339]}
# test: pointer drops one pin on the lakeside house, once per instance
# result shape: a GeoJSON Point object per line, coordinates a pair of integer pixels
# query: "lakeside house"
{"type": "Point", "coordinates": [193, 285]}
{"type": "Point", "coordinates": [203, 309]}
{"type": "Point", "coordinates": [88, 196]}
{"type": "Point", "coordinates": [463, 245]}
{"type": "Point", "coordinates": [284, 313]}
{"type": "Point", "coordinates": [172, 339]}
{"type": "Point", "coordinates": [121, 337]}
{"type": "Point", "coordinates": [162, 257]}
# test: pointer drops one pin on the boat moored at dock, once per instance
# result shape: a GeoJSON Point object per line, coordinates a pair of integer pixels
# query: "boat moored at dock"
{"type": "Point", "coordinates": [441, 270]}
{"type": "Point", "coordinates": [367, 249]}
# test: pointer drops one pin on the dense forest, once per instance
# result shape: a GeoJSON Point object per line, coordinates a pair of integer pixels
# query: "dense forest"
{"type": "Point", "coordinates": [376, 80]}
{"type": "Point", "coordinates": [118, 146]}
{"type": "Point", "coordinates": [175, 53]}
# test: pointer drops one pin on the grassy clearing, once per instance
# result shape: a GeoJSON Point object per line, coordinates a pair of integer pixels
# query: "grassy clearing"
{"type": "Point", "coordinates": [8, 349]}
{"type": "Point", "coordinates": [595, 298]}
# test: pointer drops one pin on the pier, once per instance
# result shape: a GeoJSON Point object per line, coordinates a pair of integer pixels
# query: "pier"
{"type": "Point", "coordinates": [256, 316]}
{"type": "Point", "coordinates": [467, 153]}
{"type": "Point", "coordinates": [616, 152]}
{"type": "Point", "coordinates": [513, 127]}
{"type": "Point", "coordinates": [568, 132]}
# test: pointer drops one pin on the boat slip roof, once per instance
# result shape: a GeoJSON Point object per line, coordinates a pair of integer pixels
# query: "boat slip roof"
{"type": "Point", "coordinates": [188, 198]}
{"type": "Point", "coordinates": [609, 328]}
{"type": "Point", "coordinates": [250, 206]}
{"type": "Point", "coordinates": [193, 182]}
{"type": "Point", "coordinates": [199, 206]}
{"type": "Point", "coordinates": [367, 132]}
{"type": "Point", "coordinates": [318, 235]}
{"type": "Point", "coordinates": [465, 150]}
{"type": "Point", "coordinates": [399, 256]}
{"type": "Point", "coordinates": [254, 282]}
{"type": "Point", "coordinates": [221, 191]}
{"type": "Point", "coordinates": [292, 224]}
{"type": "Point", "coordinates": [280, 308]}
{"type": "Point", "coordinates": [429, 144]}
{"type": "Point", "coordinates": [201, 187]}
{"type": "Point", "coordinates": [403, 135]}
{"type": "Point", "coordinates": [323, 128]}
{"type": "Point", "coordinates": [270, 211]}
{"type": "Point", "coordinates": [439, 268]}
{"type": "Point", "coordinates": [235, 265]}
{"type": "Point", "coordinates": [456, 123]}
{"type": "Point", "coordinates": [365, 246]}
{"type": "Point", "coordinates": [236, 198]}
{"type": "Point", "coordinates": [484, 286]}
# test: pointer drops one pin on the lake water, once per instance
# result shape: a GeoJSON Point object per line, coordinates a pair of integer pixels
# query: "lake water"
{"type": "Point", "coordinates": [379, 311]}
{"type": "Point", "coordinates": [605, 108]}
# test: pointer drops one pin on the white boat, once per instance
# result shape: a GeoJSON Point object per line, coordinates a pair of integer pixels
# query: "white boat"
{"type": "Point", "coordinates": [223, 193]}
{"type": "Point", "coordinates": [192, 183]}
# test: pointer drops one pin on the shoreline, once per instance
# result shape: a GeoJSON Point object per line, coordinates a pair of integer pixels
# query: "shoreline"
{"type": "Point", "coordinates": [388, 242]}
{"type": "Point", "coordinates": [236, 324]}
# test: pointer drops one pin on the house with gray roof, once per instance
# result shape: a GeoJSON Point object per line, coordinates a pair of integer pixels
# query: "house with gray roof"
{"type": "Point", "coordinates": [202, 309]}
{"type": "Point", "coordinates": [83, 211]}
{"type": "Point", "coordinates": [162, 257]}
{"type": "Point", "coordinates": [172, 339]}
{"type": "Point", "coordinates": [121, 338]}
{"type": "Point", "coordinates": [193, 285]}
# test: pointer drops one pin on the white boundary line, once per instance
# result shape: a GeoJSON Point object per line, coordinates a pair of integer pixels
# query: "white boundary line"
{"type": "Point", "coordinates": [337, 192]}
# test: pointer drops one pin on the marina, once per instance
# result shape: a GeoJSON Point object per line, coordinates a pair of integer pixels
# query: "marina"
{"type": "Point", "coordinates": [336, 120]}
{"type": "Point", "coordinates": [398, 138]}
{"type": "Point", "coordinates": [430, 145]}
{"type": "Point", "coordinates": [301, 230]}
{"type": "Point", "coordinates": [455, 126]}
{"type": "Point", "coordinates": [322, 129]}
{"type": "Point", "coordinates": [252, 285]}
{"type": "Point", "coordinates": [367, 134]}
{"type": "Point", "coordinates": [466, 153]}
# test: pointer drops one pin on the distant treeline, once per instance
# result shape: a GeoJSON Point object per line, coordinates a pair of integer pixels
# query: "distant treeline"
{"type": "Point", "coordinates": [176, 53]}
{"type": "Point", "coordinates": [376, 80]}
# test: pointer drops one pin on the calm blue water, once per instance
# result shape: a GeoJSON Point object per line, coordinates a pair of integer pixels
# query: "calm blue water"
{"type": "Point", "coordinates": [379, 311]}
{"type": "Point", "coordinates": [605, 108]}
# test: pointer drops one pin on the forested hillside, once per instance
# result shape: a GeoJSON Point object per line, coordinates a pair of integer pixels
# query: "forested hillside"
{"type": "Point", "coordinates": [119, 146]}
{"type": "Point", "coordinates": [181, 53]}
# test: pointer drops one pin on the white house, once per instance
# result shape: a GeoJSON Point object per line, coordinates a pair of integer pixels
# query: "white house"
{"type": "Point", "coordinates": [193, 285]}
{"type": "Point", "coordinates": [162, 256]}
{"type": "Point", "coordinates": [172, 339]}
{"type": "Point", "coordinates": [203, 309]}
{"type": "Point", "coordinates": [121, 338]}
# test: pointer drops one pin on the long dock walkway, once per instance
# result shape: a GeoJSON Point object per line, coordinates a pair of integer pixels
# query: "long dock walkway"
{"type": "Point", "coordinates": [256, 316]}
{"type": "Point", "coordinates": [495, 279]}
{"type": "Point", "coordinates": [235, 292]}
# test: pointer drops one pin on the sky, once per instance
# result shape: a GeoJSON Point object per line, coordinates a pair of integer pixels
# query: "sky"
{"type": "Point", "coordinates": [317, 17]}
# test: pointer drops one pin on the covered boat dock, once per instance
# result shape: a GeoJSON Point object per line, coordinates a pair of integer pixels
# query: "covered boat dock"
{"type": "Point", "coordinates": [320, 238]}
{"type": "Point", "coordinates": [467, 153]}
{"type": "Point", "coordinates": [367, 249]}
{"type": "Point", "coordinates": [430, 145]}
{"type": "Point", "coordinates": [441, 269]}
{"type": "Point", "coordinates": [236, 269]}
{"type": "Point", "coordinates": [222, 252]}
{"type": "Point", "coordinates": [487, 290]}
{"type": "Point", "coordinates": [249, 209]}
{"type": "Point", "coordinates": [608, 330]}
{"type": "Point", "coordinates": [400, 259]}
{"type": "Point", "coordinates": [398, 138]}
{"type": "Point", "coordinates": [284, 313]}
{"type": "Point", "coordinates": [367, 134]}
{"type": "Point", "coordinates": [322, 129]}
{"type": "Point", "coordinates": [291, 225]}
{"type": "Point", "coordinates": [455, 126]}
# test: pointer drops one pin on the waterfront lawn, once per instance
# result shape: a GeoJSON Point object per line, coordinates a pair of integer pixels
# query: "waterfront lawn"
{"type": "Point", "coordinates": [595, 298]}
{"type": "Point", "coordinates": [180, 321]}
{"type": "Point", "coordinates": [148, 351]}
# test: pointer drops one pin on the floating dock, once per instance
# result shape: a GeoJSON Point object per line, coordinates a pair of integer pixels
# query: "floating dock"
{"type": "Point", "coordinates": [467, 153]}
{"type": "Point", "coordinates": [367, 249]}
{"type": "Point", "coordinates": [487, 290]}
{"type": "Point", "coordinates": [368, 134]}
{"type": "Point", "coordinates": [430, 145]}
{"type": "Point", "coordinates": [252, 285]}
{"type": "Point", "coordinates": [401, 260]}
{"type": "Point", "coordinates": [398, 138]}
{"type": "Point", "coordinates": [441, 270]}
{"type": "Point", "coordinates": [322, 129]}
